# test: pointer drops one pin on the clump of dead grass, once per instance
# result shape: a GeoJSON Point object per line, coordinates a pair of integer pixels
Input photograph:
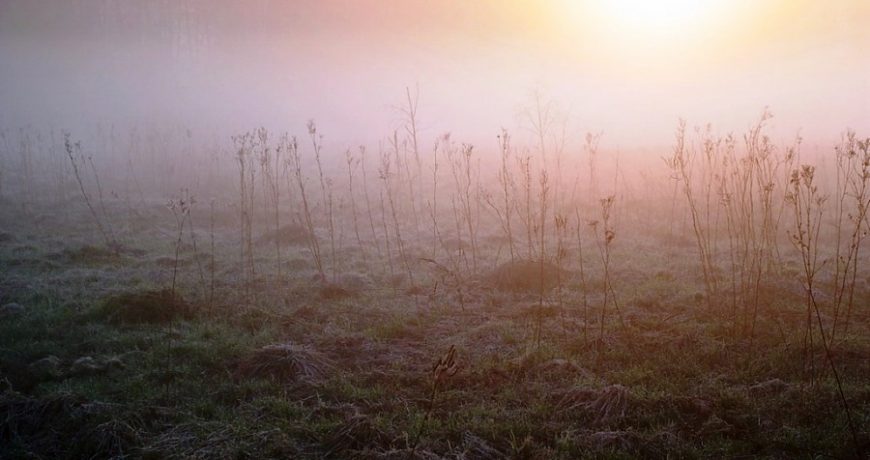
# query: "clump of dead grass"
{"type": "Point", "coordinates": [357, 434]}
{"type": "Point", "coordinates": [336, 291]}
{"type": "Point", "coordinates": [474, 447]}
{"type": "Point", "coordinates": [524, 275]}
{"type": "Point", "coordinates": [144, 307]}
{"type": "Point", "coordinates": [287, 235]}
{"type": "Point", "coordinates": [284, 362]}
{"type": "Point", "coordinates": [609, 404]}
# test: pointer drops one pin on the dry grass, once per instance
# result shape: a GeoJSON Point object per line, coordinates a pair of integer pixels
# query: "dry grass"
{"type": "Point", "coordinates": [151, 306]}
{"type": "Point", "coordinates": [63, 426]}
{"type": "Point", "coordinates": [307, 368]}
{"type": "Point", "coordinates": [525, 276]}
{"type": "Point", "coordinates": [356, 435]}
{"type": "Point", "coordinates": [285, 362]}
{"type": "Point", "coordinates": [609, 404]}
{"type": "Point", "coordinates": [287, 235]}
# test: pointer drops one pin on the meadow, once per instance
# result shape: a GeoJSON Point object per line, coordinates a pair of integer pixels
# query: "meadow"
{"type": "Point", "coordinates": [168, 295]}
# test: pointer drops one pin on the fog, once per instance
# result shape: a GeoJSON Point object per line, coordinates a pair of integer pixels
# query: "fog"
{"type": "Point", "coordinates": [225, 67]}
{"type": "Point", "coordinates": [425, 229]}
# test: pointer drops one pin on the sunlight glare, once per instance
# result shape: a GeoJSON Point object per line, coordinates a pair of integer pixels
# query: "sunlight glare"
{"type": "Point", "coordinates": [658, 15]}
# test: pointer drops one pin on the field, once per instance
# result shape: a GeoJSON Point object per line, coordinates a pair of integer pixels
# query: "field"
{"type": "Point", "coordinates": [297, 317]}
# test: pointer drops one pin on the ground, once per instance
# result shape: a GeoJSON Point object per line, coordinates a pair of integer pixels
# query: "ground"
{"type": "Point", "coordinates": [101, 357]}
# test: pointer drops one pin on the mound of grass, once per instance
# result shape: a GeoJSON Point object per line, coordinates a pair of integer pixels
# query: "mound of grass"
{"type": "Point", "coordinates": [283, 362]}
{"type": "Point", "coordinates": [144, 307]}
{"type": "Point", "coordinates": [336, 291]}
{"type": "Point", "coordinates": [524, 276]}
{"type": "Point", "coordinates": [46, 368]}
{"type": "Point", "coordinates": [91, 255]}
{"type": "Point", "coordinates": [287, 235]}
{"type": "Point", "coordinates": [608, 404]}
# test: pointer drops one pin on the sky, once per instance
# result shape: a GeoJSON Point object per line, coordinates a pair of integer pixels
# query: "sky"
{"type": "Point", "coordinates": [629, 69]}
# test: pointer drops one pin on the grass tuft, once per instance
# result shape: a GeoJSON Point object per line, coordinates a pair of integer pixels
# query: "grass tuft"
{"type": "Point", "coordinates": [285, 362]}
{"type": "Point", "coordinates": [144, 307]}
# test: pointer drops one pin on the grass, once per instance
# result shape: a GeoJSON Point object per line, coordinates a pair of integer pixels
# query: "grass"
{"type": "Point", "coordinates": [280, 363]}
{"type": "Point", "coordinates": [665, 384]}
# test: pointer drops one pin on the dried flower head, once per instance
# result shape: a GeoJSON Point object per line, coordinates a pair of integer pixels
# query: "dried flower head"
{"type": "Point", "coordinates": [446, 366]}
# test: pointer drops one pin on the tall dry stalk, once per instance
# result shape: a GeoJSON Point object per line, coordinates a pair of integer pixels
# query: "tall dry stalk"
{"type": "Point", "coordinates": [681, 164]}
{"type": "Point", "coordinates": [808, 207]}
{"type": "Point", "coordinates": [747, 184]}
{"type": "Point", "coordinates": [269, 161]}
{"type": "Point", "coordinates": [583, 285]}
{"type": "Point", "coordinates": [544, 183]}
{"type": "Point", "coordinates": [853, 201]}
{"type": "Point", "coordinates": [325, 195]}
{"type": "Point", "coordinates": [444, 368]}
{"type": "Point", "coordinates": [388, 177]}
{"type": "Point", "coordinates": [293, 157]}
{"type": "Point", "coordinates": [100, 197]}
{"type": "Point", "coordinates": [365, 186]}
{"type": "Point", "coordinates": [560, 222]}
{"type": "Point", "coordinates": [77, 160]}
{"type": "Point", "coordinates": [180, 208]}
{"type": "Point", "coordinates": [352, 163]}
{"type": "Point", "coordinates": [524, 197]}
{"type": "Point", "coordinates": [437, 235]}
{"type": "Point", "coordinates": [244, 145]}
{"type": "Point", "coordinates": [465, 176]}
{"type": "Point", "coordinates": [191, 202]}
{"type": "Point", "coordinates": [746, 209]}
{"type": "Point", "coordinates": [604, 242]}
{"type": "Point", "coordinates": [386, 235]}
{"type": "Point", "coordinates": [433, 203]}
{"type": "Point", "coordinates": [412, 177]}
{"type": "Point", "coordinates": [502, 206]}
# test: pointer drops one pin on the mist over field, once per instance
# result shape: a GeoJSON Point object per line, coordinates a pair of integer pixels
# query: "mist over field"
{"type": "Point", "coordinates": [434, 229]}
{"type": "Point", "coordinates": [234, 66]}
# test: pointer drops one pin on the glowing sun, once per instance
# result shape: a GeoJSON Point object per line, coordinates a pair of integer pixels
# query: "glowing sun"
{"type": "Point", "coordinates": [659, 15]}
